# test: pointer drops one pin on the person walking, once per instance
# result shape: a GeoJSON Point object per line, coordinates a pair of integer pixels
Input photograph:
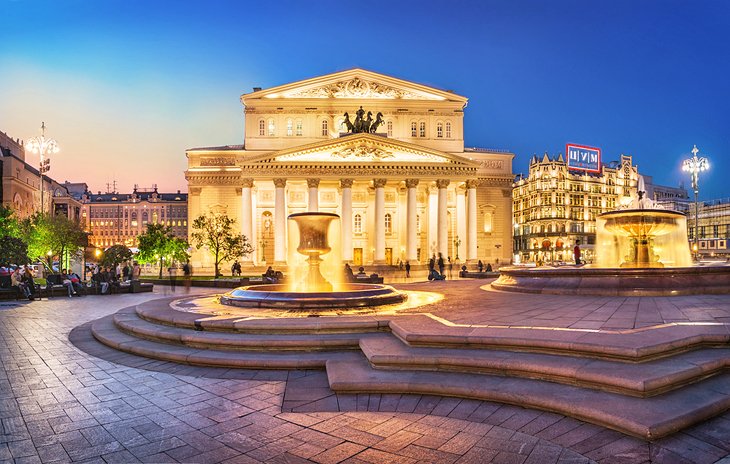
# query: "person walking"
{"type": "Point", "coordinates": [172, 271]}
{"type": "Point", "coordinates": [408, 269]}
{"type": "Point", "coordinates": [576, 253]}
{"type": "Point", "coordinates": [480, 266]}
{"type": "Point", "coordinates": [441, 264]}
{"type": "Point", "coordinates": [451, 268]}
{"type": "Point", "coordinates": [187, 275]}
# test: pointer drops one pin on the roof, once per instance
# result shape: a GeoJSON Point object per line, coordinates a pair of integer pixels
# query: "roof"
{"type": "Point", "coordinates": [141, 196]}
{"type": "Point", "coordinates": [221, 148]}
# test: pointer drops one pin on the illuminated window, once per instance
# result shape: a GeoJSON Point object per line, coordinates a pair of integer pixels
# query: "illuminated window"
{"type": "Point", "coordinates": [389, 126]}
{"type": "Point", "coordinates": [299, 127]}
{"type": "Point", "coordinates": [487, 221]}
{"type": "Point", "coordinates": [414, 129]}
{"type": "Point", "coordinates": [289, 127]}
{"type": "Point", "coordinates": [325, 128]}
{"type": "Point", "coordinates": [448, 129]}
{"type": "Point", "coordinates": [272, 128]}
{"type": "Point", "coordinates": [418, 224]}
{"type": "Point", "coordinates": [357, 226]}
{"type": "Point", "coordinates": [422, 129]}
{"type": "Point", "coordinates": [388, 223]}
{"type": "Point", "coordinates": [439, 129]}
{"type": "Point", "coordinates": [262, 127]}
{"type": "Point", "coordinates": [144, 218]}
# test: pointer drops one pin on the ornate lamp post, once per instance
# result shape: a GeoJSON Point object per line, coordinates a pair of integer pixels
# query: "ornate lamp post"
{"type": "Point", "coordinates": [694, 166]}
{"type": "Point", "coordinates": [43, 147]}
{"type": "Point", "coordinates": [457, 242]}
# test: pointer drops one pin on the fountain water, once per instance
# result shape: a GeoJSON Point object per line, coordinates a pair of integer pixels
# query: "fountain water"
{"type": "Point", "coordinates": [316, 279]}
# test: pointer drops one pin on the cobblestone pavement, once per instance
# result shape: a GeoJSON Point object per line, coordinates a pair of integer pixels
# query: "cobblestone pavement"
{"type": "Point", "coordinates": [75, 400]}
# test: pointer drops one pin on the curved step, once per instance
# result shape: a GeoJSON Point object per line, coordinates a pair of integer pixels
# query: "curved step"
{"type": "Point", "coordinates": [630, 345]}
{"type": "Point", "coordinates": [107, 333]}
{"type": "Point", "coordinates": [159, 312]}
{"type": "Point", "coordinates": [644, 379]}
{"type": "Point", "coordinates": [130, 323]}
{"type": "Point", "coordinates": [648, 418]}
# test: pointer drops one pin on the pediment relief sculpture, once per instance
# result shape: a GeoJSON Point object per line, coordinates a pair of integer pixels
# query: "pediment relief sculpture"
{"type": "Point", "coordinates": [362, 152]}
{"type": "Point", "coordinates": [359, 88]}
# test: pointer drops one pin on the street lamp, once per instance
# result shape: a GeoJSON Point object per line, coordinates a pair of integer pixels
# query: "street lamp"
{"type": "Point", "coordinates": [457, 242]}
{"type": "Point", "coordinates": [43, 147]}
{"type": "Point", "coordinates": [694, 166]}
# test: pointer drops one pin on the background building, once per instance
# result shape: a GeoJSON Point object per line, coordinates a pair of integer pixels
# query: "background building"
{"type": "Point", "coordinates": [118, 218]}
{"type": "Point", "coordinates": [714, 228]}
{"type": "Point", "coordinates": [405, 190]}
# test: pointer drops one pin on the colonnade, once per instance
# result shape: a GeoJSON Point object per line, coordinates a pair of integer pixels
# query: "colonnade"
{"type": "Point", "coordinates": [379, 242]}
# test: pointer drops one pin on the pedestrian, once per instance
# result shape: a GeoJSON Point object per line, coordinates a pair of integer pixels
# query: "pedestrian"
{"type": "Point", "coordinates": [172, 271]}
{"type": "Point", "coordinates": [432, 263]}
{"type": "Point", "coordinates": [349, 276]}
{"type": "Point", "coordinates": [408, 269]}
{"type": "Point", "coordinates": [136, 271]}
{"type": "Point", "coordinates": [451, 268]}
{"type": "Point", "coordinates": [576, 253]}
{"type": "Point", "coordinates": [187, 275]}
{"type": "Point", "coordinates": [441, 264]}
{"type": "Point", "coordinates": [480, 266]}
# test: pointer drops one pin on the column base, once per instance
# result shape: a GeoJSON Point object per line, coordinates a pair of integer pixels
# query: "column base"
{"type": "Point", "coordinates": [379, 262]}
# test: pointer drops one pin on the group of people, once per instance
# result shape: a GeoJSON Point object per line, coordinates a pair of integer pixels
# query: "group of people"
{"type": "Point", "coordinates": [441, 264]}
{"type": "Point", "coordinates": [107, 278]}
{"type": "Point", "coordinates": [19, 278]}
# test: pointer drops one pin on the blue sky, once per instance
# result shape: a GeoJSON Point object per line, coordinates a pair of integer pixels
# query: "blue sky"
{"type": "Point", "coordinates": [126, 86]}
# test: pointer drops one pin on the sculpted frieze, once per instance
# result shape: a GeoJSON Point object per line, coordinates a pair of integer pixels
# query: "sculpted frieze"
{"type": "Point", "coordinates": [358, 88]}
{"type": "Point", "coordinates": [218, 161]}
{"type": "Point", "coordinates": [362, 152]}
{"type": "Point", "coordinates": [491, 164]}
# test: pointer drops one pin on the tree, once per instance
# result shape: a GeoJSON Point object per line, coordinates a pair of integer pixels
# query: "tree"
{"type": "Point", "coordinates": [51, 236]}
{"type": "Point", "coordinates": [158, 244]}
{"type": "Point", "coordinates": [215, 233]}
{"type": "Point", "coordinates": [13, 250]}
{"type": "Point", "coordinates": [115, 255]}
{"type": "Point", "coordinates": [9, 225]}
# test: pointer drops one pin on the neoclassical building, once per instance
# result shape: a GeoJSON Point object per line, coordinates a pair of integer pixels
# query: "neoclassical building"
{"type": "Point", "coordinates": [385, 154]}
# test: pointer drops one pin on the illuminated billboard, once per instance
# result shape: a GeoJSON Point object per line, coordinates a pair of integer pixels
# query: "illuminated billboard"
{"type": "Point", "coordinates": [583, 158]}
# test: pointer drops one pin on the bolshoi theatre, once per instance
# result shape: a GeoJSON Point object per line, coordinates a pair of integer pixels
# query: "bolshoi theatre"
{"type": "Point", "coordinates": [385, 154]}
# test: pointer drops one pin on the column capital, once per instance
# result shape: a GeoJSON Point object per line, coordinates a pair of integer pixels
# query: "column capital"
{"type": "Point", "coordinates": [313, 183]}
{"type": "Point", "coordinates": [247, 182]}
{"type": "Point", "coordinates": [442, 183]}
{"type": "Point", "coordinates": [346, 183]}
{"type": "Point", "coordinates": [411, 183]}
{"type": "Point", "coordinates": [379, 183]}
{"type": "Point", "coordinates": [472, 183]}
{"type": "Point", "coordinates": [194, 190]}
{"type": "Point", "coordinates": [279, 183]}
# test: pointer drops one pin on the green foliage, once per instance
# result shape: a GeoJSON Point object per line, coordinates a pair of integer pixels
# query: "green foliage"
{"type": "Point", "coordinates": [215, 232]}
{"type": "Point", "coordinates": [115, 254]}
{"type": "Point", "coordinates": [62, 237]}
{"type": "Point", "coordinates": [158, 245]}
{"type": "Point", "coordinates": [13, 250]}
{"type": "Point", "coordinates": [9, 225]}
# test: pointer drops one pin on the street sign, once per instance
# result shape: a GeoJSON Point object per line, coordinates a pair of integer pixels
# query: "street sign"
{"type": "Point", "coordinates": [583, 158]}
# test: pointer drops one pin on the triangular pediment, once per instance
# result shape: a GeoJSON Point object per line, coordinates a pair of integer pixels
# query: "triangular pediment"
{"type": "Point", "coordinates": [355, 84]}
{"type": "Point", "coordinates": [359, 148]}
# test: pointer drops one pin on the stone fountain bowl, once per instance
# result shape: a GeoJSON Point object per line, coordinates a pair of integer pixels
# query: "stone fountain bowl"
{"type": "Point", "coordinates": [642, 222]}
{"type": "Point", "coordinates": [280, 297]}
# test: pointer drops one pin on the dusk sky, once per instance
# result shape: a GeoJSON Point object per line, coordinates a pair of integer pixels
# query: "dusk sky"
{"type": "Point", "coordinates": [126, 86]}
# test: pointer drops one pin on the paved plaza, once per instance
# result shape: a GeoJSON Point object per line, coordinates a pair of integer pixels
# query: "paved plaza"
{"type": "Point", "coordinates": [64, 397]}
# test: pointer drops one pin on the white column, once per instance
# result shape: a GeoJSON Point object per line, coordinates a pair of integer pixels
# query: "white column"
{"type": "Point", "coordinates": [246, 216]}
{"type": "Point", "coordinates": [313, 196]}
{"type": "Point", "coordinates": [346, 186]}
{"type": "Point", "coordinates": [471, 212]}
{"type": "Point", "coordinates": [461, 224]}
{"type": "Point", "coordinates": [411, 227]}
{"type": "Point", "coordinates": [280, 222]}
{"type": "Point", "coordinates": [442, 231]}
{"type": "Point", "coordinates": [379, 185]}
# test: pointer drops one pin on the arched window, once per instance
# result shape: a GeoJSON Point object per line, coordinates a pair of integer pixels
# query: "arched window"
{"type": "Point", "coordinates": [289, 127]}
{"type": "Point", "coordinates": [422, 129]}
{"type": "Point", "coordinates": [325, 128]}
{"type": "Point", "coordinates": [448, 129]}
{"type": "Point", "coordinates": [439, 129]}
{"type": "Point", "coordinates": [262, 127]}
{"type": "Point", "coordinates": [272, 127]}
{"type": "Point", "coordinates": [357, 224]}
{"type": "Point", "coordinates": [144, 217]}
{"type": "Point", "coordinates": [414, 129]}
{"type": "Point", "coordinates": [389, 126]}
{"type": "Point", "coordinates": [299, 128]}
{"type": "Point", "coordinates": [388, 223]}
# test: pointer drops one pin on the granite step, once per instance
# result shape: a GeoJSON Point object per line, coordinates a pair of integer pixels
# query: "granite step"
{"type": "Point", "coordinates": [631, 345]}
{"type": "Point", "coordinates": [130, 323]}
{"type": "Point", "coordinates": [643, 379]}
{"type": "Point", "coordinates": [647, 418]}
{"type": "Point", "coordinates": [106, 332]}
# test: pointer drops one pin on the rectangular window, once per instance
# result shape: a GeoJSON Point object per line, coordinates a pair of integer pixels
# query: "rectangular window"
{"type": "Point", "coordinates": [299, 128]}
{"type": "Point", "coordinates": [422, 129]}
{"type": "Point", "coordinates": [414, 129]}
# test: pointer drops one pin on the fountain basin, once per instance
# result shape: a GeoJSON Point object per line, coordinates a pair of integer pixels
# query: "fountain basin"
{"type": "Point", "coordinates": [694, 280]}
{"type": "Point", "coordinates": [281, 297]}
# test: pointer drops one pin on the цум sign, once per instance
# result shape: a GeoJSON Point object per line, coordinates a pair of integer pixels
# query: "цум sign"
{"type": "Point", "coordinates": [583, 158]}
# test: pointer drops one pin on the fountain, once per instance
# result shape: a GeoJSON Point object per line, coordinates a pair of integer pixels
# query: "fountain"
{"type": "Point", "coordinates": [308, 288]}
{"type": "Point", "coordinates": [641, 250]}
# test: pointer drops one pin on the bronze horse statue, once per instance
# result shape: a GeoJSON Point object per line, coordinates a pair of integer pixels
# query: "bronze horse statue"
{"type": "Point", "coordinates": [348, 124]}
{"type": "Point", "coordinates": [378, 121]}
{"type": "Point", "coordinates": [365, 127]}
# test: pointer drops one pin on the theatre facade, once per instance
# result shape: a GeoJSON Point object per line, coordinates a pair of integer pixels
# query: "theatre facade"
{"type": "Point", "coordinates": [385, 154]}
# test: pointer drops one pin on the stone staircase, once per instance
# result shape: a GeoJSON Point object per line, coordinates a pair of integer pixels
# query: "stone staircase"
{"type": "Point", "coordinates": [647, 383]}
